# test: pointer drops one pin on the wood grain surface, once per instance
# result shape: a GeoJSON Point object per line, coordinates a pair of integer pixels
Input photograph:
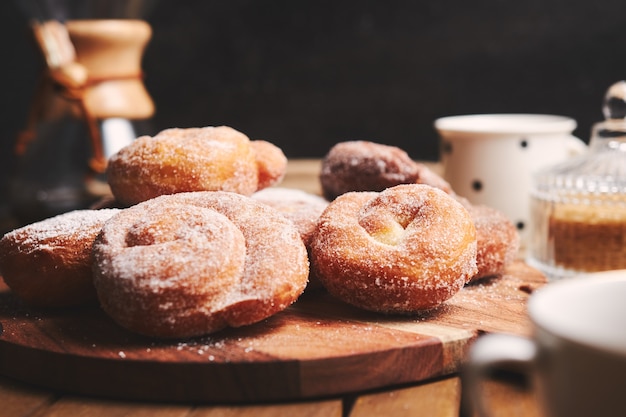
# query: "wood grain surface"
{"type": "Point", "coordinates": [318, 347]}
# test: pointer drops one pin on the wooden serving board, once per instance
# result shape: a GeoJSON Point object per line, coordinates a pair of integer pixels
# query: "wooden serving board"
{"type": "Point", "coordinates": [318, 347]}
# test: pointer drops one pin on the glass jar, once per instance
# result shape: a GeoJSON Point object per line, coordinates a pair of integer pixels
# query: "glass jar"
{"type": "Point", "coordinates": [578, 208]}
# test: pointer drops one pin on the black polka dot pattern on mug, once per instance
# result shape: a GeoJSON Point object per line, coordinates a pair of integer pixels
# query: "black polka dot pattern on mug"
{"type": "Point", "coordinates": [477, 185]}
{"type": "Point", "coordinates": [523, 143]}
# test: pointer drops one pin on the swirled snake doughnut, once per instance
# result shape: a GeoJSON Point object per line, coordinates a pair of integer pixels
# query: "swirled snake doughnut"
{"type": "Point", "coordinates": [190, 264]}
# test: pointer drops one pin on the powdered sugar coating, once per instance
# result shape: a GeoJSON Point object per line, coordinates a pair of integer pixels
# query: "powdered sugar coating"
{"type": "Point", "coordinates": [48, 263]}
{"type": "Point", "coordinates": [408, 248]}
{"type": "Point", "coordinates": [193, 263]}
{"type": "Point", "coordinates": [182, 160]}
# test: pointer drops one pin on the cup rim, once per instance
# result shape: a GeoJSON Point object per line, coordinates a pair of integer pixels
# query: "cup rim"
{"type": "Point", "coordinates": [501, 123]}
{"type": "Point", "coordinates": [546, 315]}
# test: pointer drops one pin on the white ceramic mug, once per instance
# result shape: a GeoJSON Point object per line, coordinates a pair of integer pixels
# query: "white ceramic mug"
{"type": "Point", "coordinates": [576, 355]}
{"type": "Point", "coordinates": [490, 158]}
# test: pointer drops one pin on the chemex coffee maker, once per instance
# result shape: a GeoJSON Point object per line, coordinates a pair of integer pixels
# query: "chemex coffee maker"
{"type": "Point", "coordinates": [90, 102]}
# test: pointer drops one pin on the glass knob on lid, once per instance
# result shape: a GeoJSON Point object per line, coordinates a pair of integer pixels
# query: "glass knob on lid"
{"type": "Point", "coordinates": [614, 107]}
{"type": "Point", "coordinates": [578, 208]}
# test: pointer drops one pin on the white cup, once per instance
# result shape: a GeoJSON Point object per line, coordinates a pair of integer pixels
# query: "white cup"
{"type": "Point", "coordinates": [576, 355]}
{"type": "Point", "coordinates": [490, 158]}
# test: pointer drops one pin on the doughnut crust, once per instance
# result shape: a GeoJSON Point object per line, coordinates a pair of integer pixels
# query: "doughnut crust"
{"type": "Point", "coordinates": [193, 159]}
{"type": "Point", "coordinates": [405, 249]}
{"type": "Point", "coordinates": [190, 264]}
{"type": "Point", "coordinates": [48, 263]}
{"type": "Point", "coordinates": [368, 166]}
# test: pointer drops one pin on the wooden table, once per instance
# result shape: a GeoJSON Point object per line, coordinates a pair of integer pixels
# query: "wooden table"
{"type": "Point", "coordinates": [438, 393]}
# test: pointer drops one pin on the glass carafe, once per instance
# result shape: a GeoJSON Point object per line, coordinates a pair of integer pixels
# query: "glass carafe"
{"type": "Point", "coordinates": [90, 102]}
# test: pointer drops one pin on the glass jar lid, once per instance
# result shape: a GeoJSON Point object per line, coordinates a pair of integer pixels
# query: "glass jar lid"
{"type": "Point", "coordinates": [599, 175]}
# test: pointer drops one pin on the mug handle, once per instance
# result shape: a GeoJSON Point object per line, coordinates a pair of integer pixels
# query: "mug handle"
{"type": "Point", "coordinates": [490, 353]}
{"type": "Point", "coordinates": [576, 146]}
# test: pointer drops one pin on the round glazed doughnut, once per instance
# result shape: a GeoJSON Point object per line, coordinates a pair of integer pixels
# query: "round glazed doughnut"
{"type": "Point", "coordinates": [271, 163]}
{"type": "Point", "coordinates": [406, 249]}
{"type": "Point", "coordinates": [48, 263]}
{"type": "Point", "coordinates": [193, 159]}
{"type": "Point", "coordinates": [302, 208]}
{"type": "Point", "coordinates": [498, 241]}
{"type": "Point", "coordinates": [368, 166]}
{"type": "Point", "coordinates": [190, 264]}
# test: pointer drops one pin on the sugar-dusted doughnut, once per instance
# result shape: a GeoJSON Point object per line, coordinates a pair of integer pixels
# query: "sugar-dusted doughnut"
{"type": "Point", "coordinates": [48, 263]}
{"type": "Point", "coordinates": [498, 241]}
{"type": "Point", "coordinates": [193, 159]}
{"type": "Point", "coordinates": [368, 166]}
{"type": "Point", "coordinates": [405, 249]}
{"type": "Point", "coordinates": [189, 264]}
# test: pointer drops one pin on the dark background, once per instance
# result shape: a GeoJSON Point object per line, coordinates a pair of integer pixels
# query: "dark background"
{"type": "Point", "coordinates": [307, 74]}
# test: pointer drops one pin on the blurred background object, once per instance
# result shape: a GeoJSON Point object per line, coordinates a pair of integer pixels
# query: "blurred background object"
{"type": "Point", "coordinates": [88, 102]}
{"type": "Point", "coordinates": [306, 74]}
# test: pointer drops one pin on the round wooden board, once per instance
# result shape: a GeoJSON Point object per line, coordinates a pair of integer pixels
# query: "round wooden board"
{"type": "Point", "coordinates": [318, 347]}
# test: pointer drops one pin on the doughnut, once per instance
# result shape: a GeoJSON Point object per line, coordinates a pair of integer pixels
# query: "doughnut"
{"type": "Point", "coordinates": [498, 241]}
{"type": "Point", "coordinates": [368, 166]}
{"type": "Point", "coordinates": [193, 159]}
{"type": "Point", "coordinates": [406, 249]}
{"type": "Point", "coordinates": [271, 163]}
{"type": "Point", "coordinates": [191, 264]}
{"type": "Point", "coordinates": [48, 263]}
{"type": "Point", "coordinates": [301, 207]}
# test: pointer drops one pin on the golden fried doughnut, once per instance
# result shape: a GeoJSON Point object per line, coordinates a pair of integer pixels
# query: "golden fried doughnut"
{"type": "Point", "coordinates": [405, 249]}
{"type": "Point", "coordinates": [193, 159]}
{"type": "Point", "coordinates": [368, 166]}
{"type": "Point", "coordinates": [189, 264]}
{"type": "Point", "coordinates": [497, 238]}
{"type": "Point", "coordinates": [271, 163]}
{"type": "Point", "coordinates": [48, 263]}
